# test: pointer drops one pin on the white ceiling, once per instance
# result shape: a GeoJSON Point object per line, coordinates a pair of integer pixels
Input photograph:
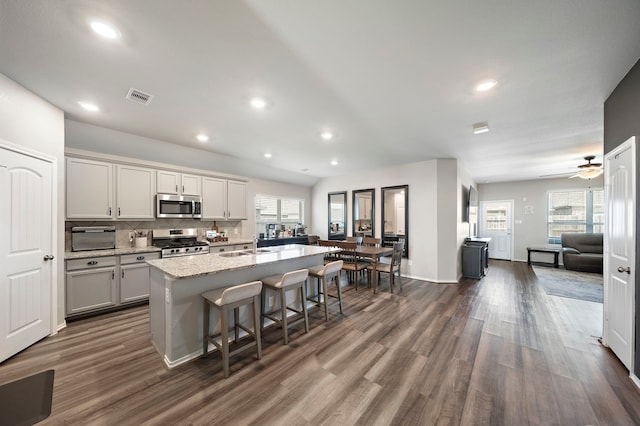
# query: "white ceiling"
{"type": "Point", "coordinates": [393, 79]}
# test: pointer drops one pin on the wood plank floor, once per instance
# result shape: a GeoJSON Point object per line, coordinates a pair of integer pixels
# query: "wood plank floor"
{"type": "Point", "coordinates": [495, 351]}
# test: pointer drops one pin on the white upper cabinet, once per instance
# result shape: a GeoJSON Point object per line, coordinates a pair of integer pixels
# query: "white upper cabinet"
{"type": "Point", "coordinates": [178, 183]}
{"type": "Point", "coordinates": [214, 196]}
{"type": "Point", "coordinates": [223, 199]}
{"type": "Point", "coordinates": [89, 189]}
{"type": "Point", "coordinates": [136, 188]}
{"type": "Point", "coordinates": [236, 200]}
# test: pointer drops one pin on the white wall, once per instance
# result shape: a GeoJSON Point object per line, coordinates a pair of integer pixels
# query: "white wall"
{"type": "Point", "coordinates": [434, 212]}
{"type": "Point", "coordinates": [530, 207]}
{"type": "Point", "coordinates": [30, 122]}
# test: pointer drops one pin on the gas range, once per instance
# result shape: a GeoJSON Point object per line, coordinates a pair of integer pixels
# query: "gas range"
{"type": "Point", "coordinates": [179, 242]}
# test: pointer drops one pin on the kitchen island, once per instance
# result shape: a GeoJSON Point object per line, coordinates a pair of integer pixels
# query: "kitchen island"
{"type": "Point", "coordinates": [175, 301]}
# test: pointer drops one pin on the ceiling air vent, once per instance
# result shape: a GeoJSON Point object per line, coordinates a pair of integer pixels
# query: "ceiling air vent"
{"type": "Point", "coordinates": [139, 96]}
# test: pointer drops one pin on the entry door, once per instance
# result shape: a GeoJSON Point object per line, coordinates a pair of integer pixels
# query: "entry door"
{"type": "Point", "coordinates": [25, 275]}
{"type": "Point", "coordinates": [496, 223]}
{"type": "Point", "coordinates": [619, 261]}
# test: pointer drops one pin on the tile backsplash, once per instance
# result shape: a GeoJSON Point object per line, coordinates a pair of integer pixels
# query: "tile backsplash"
{"type": "Point", "coordinates": [124, 229]}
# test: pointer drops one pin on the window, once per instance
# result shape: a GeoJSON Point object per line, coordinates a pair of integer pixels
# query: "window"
{"type": "Point", "coordinates": [575, 211]}
{"type": "Point", "coordinates": [281, 211]}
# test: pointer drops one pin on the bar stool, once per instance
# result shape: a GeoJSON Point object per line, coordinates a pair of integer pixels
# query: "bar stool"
{"type": "Point", "coordinates": [281, 284]}
{"type": "Point", "coordinates": [223, 300]}
{"type": "Point", "coordinates": [326, 274]}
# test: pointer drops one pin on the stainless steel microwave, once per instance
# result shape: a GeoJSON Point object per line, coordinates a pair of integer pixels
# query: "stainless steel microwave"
{"type": "Point", "coordinates": [186, 206]}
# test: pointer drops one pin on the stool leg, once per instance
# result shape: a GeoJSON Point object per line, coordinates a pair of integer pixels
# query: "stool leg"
{"type": "Point", "coordinates": [303, 289]}
{"type": "Point", "coordinates": [205, 328]}
{"type": "Point", "coordinates": [339, 293]}
{"type": "Point", "coordinates": [236, 321]}
{"type": "Point", "coordinates": [256, 325]}
{"type": "Point", "coordinates": [283, 308]}
{"type": "Point", "coordinates": [325, 295]}
{"type": "Point", "coordinates": [263, 307]}
{"type": "Point", "coordinates": [224, 324]}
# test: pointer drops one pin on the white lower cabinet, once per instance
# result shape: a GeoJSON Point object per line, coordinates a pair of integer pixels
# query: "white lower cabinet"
{"type": "Point", "coordinates": [134, 277]}
{"type": "Point", "coordinates": [90, 284]}
{"type": "Point", "coordinates": [98, 283]}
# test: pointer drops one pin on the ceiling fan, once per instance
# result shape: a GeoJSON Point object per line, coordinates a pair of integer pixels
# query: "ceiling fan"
{"type": "Point", "coordinates": [588, 170]}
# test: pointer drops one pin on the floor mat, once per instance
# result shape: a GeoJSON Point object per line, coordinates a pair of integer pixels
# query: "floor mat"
{"type": "Point", "coordinates": [28, 400]}
{"type": "Point", "coordinates": [564, 283]}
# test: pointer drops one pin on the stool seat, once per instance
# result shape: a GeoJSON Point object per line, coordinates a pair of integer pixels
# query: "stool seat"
{"type": "Point", "coordinates": [325, 274]}
{"type": "Point", "coordinates": [281, 283]}
{"type": "Point", "coordinates": [223, 300]}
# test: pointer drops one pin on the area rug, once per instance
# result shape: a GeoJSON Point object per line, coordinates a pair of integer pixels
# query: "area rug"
{"type": "Point", "coordinates": [572, 284]}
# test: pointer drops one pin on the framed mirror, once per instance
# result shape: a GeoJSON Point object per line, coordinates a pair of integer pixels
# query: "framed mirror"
{"type": "Point", "coordinates": [395, 216]}
{"type": "Point", "coordinates": [337, 215]}
{"type": "Point", "coordinates": [363, 208]}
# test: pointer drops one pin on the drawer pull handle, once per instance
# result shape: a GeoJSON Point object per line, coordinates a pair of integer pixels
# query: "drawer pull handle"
{"type": "Point", "coordinates": [140, 258]}
{"type": "Point", "coordinates": [93, 262]}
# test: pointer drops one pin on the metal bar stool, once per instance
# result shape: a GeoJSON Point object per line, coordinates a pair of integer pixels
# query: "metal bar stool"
{"type": "Point", "coordinates": [281, 284]}
{"type": "Point", "coordinates": [223, 300]}
{"type": "Point", "coordinates": [326, 274]}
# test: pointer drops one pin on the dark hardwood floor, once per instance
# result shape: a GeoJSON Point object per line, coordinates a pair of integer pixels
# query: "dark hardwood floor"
{"type": "Point", "coordinates": [495, 351]}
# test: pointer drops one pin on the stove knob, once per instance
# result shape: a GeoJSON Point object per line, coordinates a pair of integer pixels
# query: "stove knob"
{"type": "Point", "coordinates": [187, 249]}
{"type": "Point", "coordinates": [172, 250]}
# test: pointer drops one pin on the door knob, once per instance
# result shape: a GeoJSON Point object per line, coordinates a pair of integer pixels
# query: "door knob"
{"type": "Point", "coordinates": [48, 257]}
{"type": "Point", "coordinates": [627, 269]}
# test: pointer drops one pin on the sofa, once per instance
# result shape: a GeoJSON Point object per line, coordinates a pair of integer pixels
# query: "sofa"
{"type": "Point", "coordinates": [582, 252]}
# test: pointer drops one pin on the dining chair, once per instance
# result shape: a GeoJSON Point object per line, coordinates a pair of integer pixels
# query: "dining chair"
{"type": "Point", "coordinates": [312, 240]}
{"type": "Point", "coordinates": [390, 268]}
{"type": "Point", "coordinates": [371, 241]}
{"type": "Point", "coordinates": [357, 240]}
{"type": "Point", "coordinates": [353, 263]}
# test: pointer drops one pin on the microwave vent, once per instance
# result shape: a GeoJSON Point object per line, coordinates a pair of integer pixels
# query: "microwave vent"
{"type": "Point", "coordinates": [139, 96]}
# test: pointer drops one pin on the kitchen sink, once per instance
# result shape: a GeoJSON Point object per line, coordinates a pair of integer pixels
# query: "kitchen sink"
{"type": "Point", "coordinates": [233, 254]}
{"type": "Point", "coordinates": [259, 251]}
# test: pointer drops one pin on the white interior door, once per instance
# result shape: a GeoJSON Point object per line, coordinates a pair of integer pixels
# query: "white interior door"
{"type": "Point", "coordinates": [619, 258]}
{"type": "Point", "coordinates": [496, 222]}
{"type": "Point", "coordinates": [25, 275]}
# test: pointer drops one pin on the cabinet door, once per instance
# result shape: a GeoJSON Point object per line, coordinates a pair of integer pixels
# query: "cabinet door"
{"type": "Point", "coordinates": [168, 182]}
{"type": "Point", "coordinates": [90, 289]}
{"type": "Point", "coordinates": [134, 282]}
{"type": "Point", "coordinates": [191, 185]}
{"type": "Point", "coordinates": [236, 200]}
{"type": "Point", "coordinates": [214, 196]}
{"type": "Point", "coordinates": [89, 189]}
{"type": "Point", "coordinates": [136, 190]}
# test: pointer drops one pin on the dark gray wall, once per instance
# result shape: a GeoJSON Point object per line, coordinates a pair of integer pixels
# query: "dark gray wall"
{"type": "Point", "coordinates": [621, 121]}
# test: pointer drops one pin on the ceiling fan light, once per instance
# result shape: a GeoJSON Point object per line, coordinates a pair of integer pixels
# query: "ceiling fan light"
{"type": "Point", "coordinates": [590, 173]}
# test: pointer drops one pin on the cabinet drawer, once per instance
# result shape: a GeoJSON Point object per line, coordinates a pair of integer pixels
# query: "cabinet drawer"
{"type": "Point", "coordinates": [126, 259]}
{"type": "Point", "coordinates": [244, 247]}
{"type": "Point", "coordinates": [220, 249]}
{"type": "Point", "coordinates": [90, 262]}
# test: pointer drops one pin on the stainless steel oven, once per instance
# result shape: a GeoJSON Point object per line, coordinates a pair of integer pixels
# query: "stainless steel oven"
{"type": "Point", "coordinates": [179, 206]}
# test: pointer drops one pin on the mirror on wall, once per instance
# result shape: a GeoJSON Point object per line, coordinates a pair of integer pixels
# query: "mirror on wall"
{"type": "Point", "coordinates": [363, 208]}
{"type": "Point", "coordinates": [395, 216]}
{"type": "Point", "coordinates": [337, 215]}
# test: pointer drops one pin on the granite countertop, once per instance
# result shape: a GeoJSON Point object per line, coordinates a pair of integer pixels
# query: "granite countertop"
{"type": "Point", "coordinates": [109, 252]}
{"type": "Point", "coordinates": [192, 266]}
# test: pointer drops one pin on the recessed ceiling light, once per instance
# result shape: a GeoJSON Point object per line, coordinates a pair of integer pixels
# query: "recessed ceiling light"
{"type": "Point", "coordinates": [202, 137]}
{"type": "Point", "coordinates": [485, 85]}
{"type": "Point", "coordinates": [258, 103]}
{"type": "Point", "coordinates": [326, 135]}
{"type": "Point", "coordinates": [480, 128]}
{"type": "Point", "coordinates": [105, 30]}
{"type": "Point", "coordinates": [89, 106]}
{"type": "Point", "coordinates": [334, 162]}
{"type": "Point", "coordinates": [267, 155]}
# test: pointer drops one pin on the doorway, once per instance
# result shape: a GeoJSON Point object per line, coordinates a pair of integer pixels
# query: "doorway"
{"type": "Point", "coordinates": [496, 222]}
{"type": "Point", "coordinates": [619, 251]}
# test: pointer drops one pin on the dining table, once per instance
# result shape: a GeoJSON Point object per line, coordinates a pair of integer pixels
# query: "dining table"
{"type": "Point", "coordinates": [374, 253]}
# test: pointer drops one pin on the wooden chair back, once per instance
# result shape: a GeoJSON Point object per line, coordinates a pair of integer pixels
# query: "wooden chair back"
{"type": "Point", "coordinates": [371, 241]}
{"type": "Point", "coordinates": [396, 256]}
{"type": "Point", "coordinates": [357, 240]}
{"type": "Point", "coordinates": [312, 240]}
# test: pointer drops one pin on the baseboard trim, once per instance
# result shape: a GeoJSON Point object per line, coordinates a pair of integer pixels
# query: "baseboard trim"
{"type": "Point", "coordinates": [61, 326]}
{"type": "Point", "coordinates": [635, 380]}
